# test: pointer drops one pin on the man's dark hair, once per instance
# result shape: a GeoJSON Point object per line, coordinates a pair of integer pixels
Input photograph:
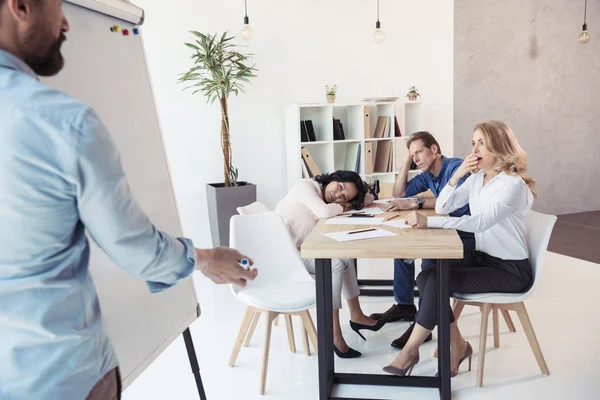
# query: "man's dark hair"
{"type": "Point", "coordinates": [346, 176]}
{"type": "Point", "coordinates": [426, 137]}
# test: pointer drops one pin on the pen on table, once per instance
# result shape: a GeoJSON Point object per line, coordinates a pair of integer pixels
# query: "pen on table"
{"type": "Point", "coordinates": [360, 216]}
{"type": "Point", "coordinates": [353, 213]}
{"type": "Point", "coordinates": [362, 230]}
{"type": "Point", "coordinates": [244, 263]}
{"type": "Point", "coordinates": [391, 218]}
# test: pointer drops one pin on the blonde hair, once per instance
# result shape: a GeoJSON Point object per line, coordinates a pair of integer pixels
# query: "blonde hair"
{"type": "Point", "coordinates": [500, 141]}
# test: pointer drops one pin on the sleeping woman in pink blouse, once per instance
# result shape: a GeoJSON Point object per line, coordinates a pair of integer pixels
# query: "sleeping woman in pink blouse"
{"type": "Point", "coordinates": [326, 196]}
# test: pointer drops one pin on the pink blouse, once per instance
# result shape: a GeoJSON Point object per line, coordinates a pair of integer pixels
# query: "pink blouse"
{"type": "Point", "coordinates": [302, 208]}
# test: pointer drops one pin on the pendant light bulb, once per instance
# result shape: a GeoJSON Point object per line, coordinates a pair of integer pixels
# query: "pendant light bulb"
{"type": "Point", "coordinates": [378, 34]}
{"type": "Point", "coordinates": [247, 30]}
{"type": "Point", "coordinates": [584, 36]}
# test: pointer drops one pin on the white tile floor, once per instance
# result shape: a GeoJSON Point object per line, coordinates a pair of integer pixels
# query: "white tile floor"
{"type": "Point", "coordinates": [563, 313]}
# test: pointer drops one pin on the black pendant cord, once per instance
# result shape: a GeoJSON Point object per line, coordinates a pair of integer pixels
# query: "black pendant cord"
{"type": "Point", "coordinates": [378, 10]}
{"type": "Point", "coordinates": [585, 17]}
{"type": "Point", "coordinates": [246, 19]}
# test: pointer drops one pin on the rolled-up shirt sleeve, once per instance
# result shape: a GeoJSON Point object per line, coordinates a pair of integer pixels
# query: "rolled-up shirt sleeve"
{"type": "Point", "coordinates": [453, 197]}
{"type": "Point", "coordinates": [504, 203]}
{"type": "Point", "coordinates": [115, 220]}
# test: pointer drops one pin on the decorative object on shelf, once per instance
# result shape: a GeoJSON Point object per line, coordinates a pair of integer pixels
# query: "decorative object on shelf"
{"type": "Point", "coordinates": [330, 92]}
{"type": "Point", "coordinates": [584, 36]}
{"type": "Point", "coordinates": [247, 30]}
{"type": "Point", "coordinates": [378, 34]}
{"type": "Point", "coordinates": [413, 93]}
{"type": "Point", "coordinates": [220, 70]}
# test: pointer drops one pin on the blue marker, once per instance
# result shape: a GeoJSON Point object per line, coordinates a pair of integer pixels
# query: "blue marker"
{"type": "Point", "coordinates": [245, 263]}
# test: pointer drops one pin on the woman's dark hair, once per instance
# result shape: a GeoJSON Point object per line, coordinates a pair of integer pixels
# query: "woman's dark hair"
{"type": "Point", "coordinates": [346, 176]}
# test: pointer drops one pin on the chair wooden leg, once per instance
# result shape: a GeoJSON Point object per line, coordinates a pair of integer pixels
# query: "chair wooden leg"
{"type": "Point", "coordinates": [265, 360]}
{"type": "Point", "coordinates": [533, 342]}
{"type": "Point", "coordinates": [457, 308]}
{"type": "Point", "coordinates": [276, 321]}
{"type": "Point", "coordinates": [310, 328]}
{"type": "Point", "coordinates": [496, 328]}
{"type": "Point", "coordinates": [290, 332]}
{"type": "Point", "coordinates": [241, 334]}
{"type": "Point", "coordinates": [485, 313]}
{"type": "Point", "coordinates": [305, 341]}
{"type": "Point", "coordinates": [251, 329]}
{"type": "Point", "coordinates": [508, 320]}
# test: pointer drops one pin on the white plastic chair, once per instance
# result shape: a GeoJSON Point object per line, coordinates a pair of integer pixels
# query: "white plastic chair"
{"type": "Point", "coordinates": [253, 208]}
{"type": "Point", "coordinates": [283, 285]}
{"type": "Point", "coordinates": [538, 228]}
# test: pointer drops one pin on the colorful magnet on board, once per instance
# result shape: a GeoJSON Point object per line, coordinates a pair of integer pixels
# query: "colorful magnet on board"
{"type": "Point", "coordinates": [112, 28]}
{"type": "Point", "coordinates": [117, 29]}
{"type": "Point", "coordinates": [136, 31]}
{"type": "Point", "coordinates": [125, 32]}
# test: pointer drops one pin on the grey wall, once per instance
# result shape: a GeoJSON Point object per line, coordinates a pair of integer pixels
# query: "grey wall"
{"type": "Point", "coordinates": [519, 62]}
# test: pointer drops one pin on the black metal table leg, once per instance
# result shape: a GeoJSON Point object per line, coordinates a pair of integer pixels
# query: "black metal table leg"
{"type": "Point", "coordinates": [324, 327]}
{"type": "Point", "coordinates": [189, 345]}
{"type": "Point", "coordinates": [444, 330]}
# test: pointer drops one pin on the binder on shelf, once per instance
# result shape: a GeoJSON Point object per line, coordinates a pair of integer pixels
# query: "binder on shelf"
{"type": "Point", "coordinates": [310, 130]}
{"type": "Point", "coordinates": [390, 166]}
{"type": "Point", "coordinates": [379, 127]}
{"type": "Point", "coordinates": [368, 158]}
{"type": "Point", "coordinates": [397, 132]}
{"type": "Point", "coordinates": [303, 132]}
{"type": "Point", "coordinates": [382, 156]}
{"type": "Point", "coordinates": [305, 173]}
{"type": "Point", "coordinates": [357, 166]}
{"type": "Point", "coordinates": [311, 165]}
{"type": "Point", "coordinates": [367, 120]}
{"type": "Point", "coordinates": [387, 127]}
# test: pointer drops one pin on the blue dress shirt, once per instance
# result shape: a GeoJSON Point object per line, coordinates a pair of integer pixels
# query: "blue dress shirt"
{"type": "Point", "coordinates": [60, 174]}
{"type": "Point", "coordinates": [435, 183]}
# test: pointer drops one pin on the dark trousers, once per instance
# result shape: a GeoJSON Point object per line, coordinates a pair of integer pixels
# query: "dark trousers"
{"type": "Point", "coordinates": [478, 272]}
{"type": "Point", "coordinates": [108, 388]}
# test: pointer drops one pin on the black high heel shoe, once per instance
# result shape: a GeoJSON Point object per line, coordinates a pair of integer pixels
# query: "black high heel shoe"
{"type": "Point", "coordinates": [351, 353]}
{"type": "Point", "coordinates": [356, 327]}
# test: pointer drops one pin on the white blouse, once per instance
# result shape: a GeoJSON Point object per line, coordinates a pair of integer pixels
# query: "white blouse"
{"type": "Point", "coordinates": [498, 212]}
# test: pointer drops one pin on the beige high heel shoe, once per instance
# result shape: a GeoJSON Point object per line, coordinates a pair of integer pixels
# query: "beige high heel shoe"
{"type": "Point", "coordinates": [401, 371]}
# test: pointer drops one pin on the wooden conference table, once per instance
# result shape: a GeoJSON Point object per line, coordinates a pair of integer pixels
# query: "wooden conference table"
{"type": "Point", "coordinates": [442, 244]}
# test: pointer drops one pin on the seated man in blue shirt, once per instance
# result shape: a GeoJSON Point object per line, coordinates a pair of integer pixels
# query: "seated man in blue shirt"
{"type": "Point", "coordinates": [60, 175]}
{"type": "Point", "coordinates": [437, 170]}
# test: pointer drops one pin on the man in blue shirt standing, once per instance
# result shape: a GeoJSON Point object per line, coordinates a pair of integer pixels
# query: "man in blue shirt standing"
{"type": "Point", "coordinates": [437, 170]}
{"type": "Point", "coordinates": [60, 175]}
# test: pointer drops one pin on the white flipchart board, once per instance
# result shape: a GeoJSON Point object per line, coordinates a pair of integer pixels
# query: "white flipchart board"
{"type": "Point", "coordinates": [108, 71]}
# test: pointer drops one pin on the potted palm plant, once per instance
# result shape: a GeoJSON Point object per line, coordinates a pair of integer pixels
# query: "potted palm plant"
{"type": "Point", "coordinates": [220, 70]}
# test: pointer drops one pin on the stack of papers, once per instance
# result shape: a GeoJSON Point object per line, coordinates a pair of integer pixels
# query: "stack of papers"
{"type": "Point", "coordinates": [369, 210]}
{"type": "Point", "coordinates": [346, 236]}
{"type": "Point", "coordinates": [397, 223]}
{"type": "Point", "coordinates": [386, 201]}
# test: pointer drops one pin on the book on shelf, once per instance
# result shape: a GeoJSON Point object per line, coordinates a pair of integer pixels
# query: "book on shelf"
{"type": "Point", "coordinates": [310, 130]}
{"type": "Point", "coordinates": [357, 166]}
{"type": "Point", "coordinates": [303, 132]}
{"type": "Point", "coordinates": [338, 130]}
{"type": "Point", "coordinates": [387, 127]}
{"type": "Point", "coordinates": [397, 132]}
{"type": "Point", "coordinates": [311, 165]}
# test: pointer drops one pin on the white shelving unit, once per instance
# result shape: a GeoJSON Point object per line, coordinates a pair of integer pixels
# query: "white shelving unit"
{"type": "Point", "coordinates": [331, 155]}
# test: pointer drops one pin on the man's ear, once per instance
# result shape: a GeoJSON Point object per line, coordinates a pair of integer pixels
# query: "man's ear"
{"type": "Point", "coordinates": [21, 9]}
{"type": "Point", "coordinates": [435, 149]}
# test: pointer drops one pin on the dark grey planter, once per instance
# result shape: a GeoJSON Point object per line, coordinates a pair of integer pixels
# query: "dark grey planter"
{"type": "Point", "coordinates": [222, 205]}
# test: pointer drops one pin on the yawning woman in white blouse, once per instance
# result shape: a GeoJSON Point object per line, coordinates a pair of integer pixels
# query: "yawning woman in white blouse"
{"type": "Point", "coordinates": [500, 195]}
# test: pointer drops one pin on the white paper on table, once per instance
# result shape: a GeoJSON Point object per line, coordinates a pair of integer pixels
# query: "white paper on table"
{"type": "Point", "coordinates": [354, 221]}
{"type": "Point", "coordinates": [387, 201]}
{"type": "Point", "coordinates": [397, 224]}
{"type": "Point", "coordinates": [346, 237]}
{"type": "Point", "coordinates": [369, 210]}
